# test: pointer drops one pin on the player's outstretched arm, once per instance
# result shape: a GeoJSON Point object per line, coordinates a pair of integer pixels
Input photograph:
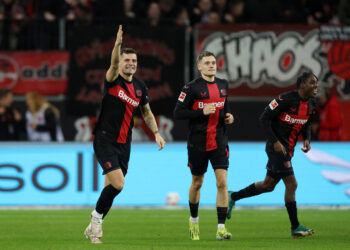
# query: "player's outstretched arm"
{"type": "Point", "coordinates": [306, 147]}
{"type": "Point", "coordinates": [152, 124]}
{"type": "Point", "coordinates": [113, 70]}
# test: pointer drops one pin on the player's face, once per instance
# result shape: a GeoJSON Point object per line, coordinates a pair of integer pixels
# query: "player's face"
{"type": "Point", "coordinates": [207, 66]}
{"type": "Point", "coordinates": [310, 86]}
{"type": "Point", "coordinates": [128, 64]}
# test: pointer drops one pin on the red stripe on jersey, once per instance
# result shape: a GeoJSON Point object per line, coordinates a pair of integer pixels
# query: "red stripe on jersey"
{"type": "Point", "coordinates": [302, 114]}
{"type": "Point", "coordinates": [129, 108]}
{"type": "Point", "coordinates": [214, 97]}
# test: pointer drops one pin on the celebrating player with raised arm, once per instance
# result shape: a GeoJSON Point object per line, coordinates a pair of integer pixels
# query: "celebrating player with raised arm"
{"type": "Point", "coordinates": [204, 103]}
{"type": "Point", "coordinates": [122, 94]}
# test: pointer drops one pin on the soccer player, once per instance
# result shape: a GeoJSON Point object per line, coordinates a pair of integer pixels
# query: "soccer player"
{"type": "Point", "coordinates": [204, 102]}
{"type": "Point", "coordinates": [284, 119]}
{"type": "Point", "coordinates": [123, 93]}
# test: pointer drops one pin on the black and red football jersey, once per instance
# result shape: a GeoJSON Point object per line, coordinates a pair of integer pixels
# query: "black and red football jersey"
{"type": "Point", "coordinates": [207, 132]}
{"type": "Point", "coordinates": [120, 100]}
{"type": "Point", "coordinates": [285, 118]}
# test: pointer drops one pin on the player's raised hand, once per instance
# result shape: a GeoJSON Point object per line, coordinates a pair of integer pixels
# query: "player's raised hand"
{"type": "Point", "coordinates": [209, 109]}
{"type": "Point", "coordinates": [306, 147]}
{"type": "Point", "coordinates": [279, 148]}
{"type": "Point", "coordinates": [119, 39]}
{"type": "Point", "coordinates": [160, 141]}
{"type": "Point", "coordinates": [229, 119]}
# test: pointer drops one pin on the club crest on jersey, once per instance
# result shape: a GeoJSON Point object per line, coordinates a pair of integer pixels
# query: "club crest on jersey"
{"type": "Point", "coordinates": [139, 92]}
{"type": "Point", "coordinates": [182, 96]}
{"type": "Point", "coordinates": [273, 104]}
{"type": "Point", "coordinates": [223, 91]}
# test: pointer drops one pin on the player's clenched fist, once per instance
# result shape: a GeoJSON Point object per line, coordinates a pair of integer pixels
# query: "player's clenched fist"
{"type": "Point", "coordinates": [209, 109]}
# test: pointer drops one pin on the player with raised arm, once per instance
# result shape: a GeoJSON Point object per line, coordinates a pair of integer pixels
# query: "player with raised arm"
{"type": "Point", "coordinates": [122, 95]}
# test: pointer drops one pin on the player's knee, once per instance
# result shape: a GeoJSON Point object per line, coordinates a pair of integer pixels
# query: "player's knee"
{"type": "Point", "coordinates": [118, 185]}
{"type": "Point", "coordinates": [221, 185]}
{"type": "Point", "coordinates": [268, 188]}
{"type": "Point", "coordinates": [197, 184]}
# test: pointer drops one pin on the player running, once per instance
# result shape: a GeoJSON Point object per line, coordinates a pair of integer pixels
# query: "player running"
{"type": "Point", "coordinates": [122, 94]}
{"type": "Point", "coordinates": [204, 102]}
{"type": "Point", "coordinates": [283, 120]}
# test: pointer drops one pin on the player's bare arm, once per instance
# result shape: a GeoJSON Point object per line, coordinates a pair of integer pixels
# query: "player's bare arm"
{"type": "Point", "coordinates": [279, 148]}
{"type": "Point", "coordinates": [152, 124]}
{"type": "Point", "coordinates": [113, 70]}
{"type": "Point", "coordinates": [306, 147]}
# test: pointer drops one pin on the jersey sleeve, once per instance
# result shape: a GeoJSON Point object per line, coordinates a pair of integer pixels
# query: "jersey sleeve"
{"type": "Point", "coordinates": [227, 105]}
{"type": "Point", "coordinates": [144, 99]}
{"type": "Point", "coordinates": [183, 106]}
{"type": "Point", "coordinates": [275, 107]}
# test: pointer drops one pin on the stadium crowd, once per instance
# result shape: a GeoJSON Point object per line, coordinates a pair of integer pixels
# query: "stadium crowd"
{"type": "Point", "coordinates": [33, 24]}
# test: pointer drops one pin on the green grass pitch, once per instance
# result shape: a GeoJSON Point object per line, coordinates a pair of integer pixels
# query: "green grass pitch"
{"type": "Point", "coordinates": [168, 229]}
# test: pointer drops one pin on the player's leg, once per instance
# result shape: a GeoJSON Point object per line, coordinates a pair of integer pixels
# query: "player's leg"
{"type": "Point", "coordinates": [198, 163]}
{"type": "Point", "coordinates": [267, 185]}
{"type": "Point", "coordinates": [194, 196]}
{"type": "Point", "coordinates": [114, 167]}
{"type": "Point", "coordinates": [297, 230]}
{"type": "Point", "coordinates": [221, 204]}
{"type": "Point", "coordinates": [219, 160]}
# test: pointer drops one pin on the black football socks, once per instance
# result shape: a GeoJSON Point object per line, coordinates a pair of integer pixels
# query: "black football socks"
{"type": "Point", "coordinates": [245, 192]}
{"type": "Point", "coordinates": [105, 201]}
{"type": "Point", "coordinates": [293, 214]}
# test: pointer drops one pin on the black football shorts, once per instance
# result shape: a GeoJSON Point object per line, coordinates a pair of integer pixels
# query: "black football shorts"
{"type": "Point", "coordinates": [198, 159]}
{"type": "Point", "coordinates": [279, 166]}
{"type": "Point", "coordinates": [111, 155]}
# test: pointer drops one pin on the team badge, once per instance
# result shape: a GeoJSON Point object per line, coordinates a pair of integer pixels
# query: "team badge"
{"type": "Point", "coordinates": [273, 104]}
{"type": "Point", "coordinates": [182, 96]}
{"type": "Point", "coordinates": [108, 165]}
{"type": "Point", "coordinates": [223, 91]}
{"type": "Point", "coordinates": [139, 92]}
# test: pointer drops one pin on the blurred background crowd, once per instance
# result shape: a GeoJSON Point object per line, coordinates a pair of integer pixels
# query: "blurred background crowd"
{"type": "Point", "coordinates": [46, 25]}
{"type": "Point", "coordinates": [32, 24]}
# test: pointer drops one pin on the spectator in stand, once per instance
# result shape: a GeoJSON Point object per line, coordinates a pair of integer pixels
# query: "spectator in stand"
{"type": "Point", "coordinates": [200, 13]}
{"type": "Point", "coordinates": [221, 7]}
{"type": "Point", "coordinates": [235, 12]}
{"type": "Point", "coordinates": [10, 119]}
{"type": "Point", "coordinates": [167, 10]}
{"type": "Point", "coordinates": [153, 14]}
{"type": "Point", "coordinates": [344, 12]}
{"type": "Point", "coordinates": [330, 117]}
{"type": "Point", "coordinates": [11, 13]}
{"type": "Point", "coordinates": [42, 119]}
{"type": "Point", "coordinates": [80, 11]}
{"type": "Point", "coordinates": [213, 18]}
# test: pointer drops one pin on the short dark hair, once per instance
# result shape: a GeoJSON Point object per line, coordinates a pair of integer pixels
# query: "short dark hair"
{"type": "Point", "coordinates": [303, 77]}
{"type": "Point", "coordinates": [127, 51]}
{"type": "Point", "coordinates": [4, 92]}
{"type": "Point", "coordinates": [204, 54]}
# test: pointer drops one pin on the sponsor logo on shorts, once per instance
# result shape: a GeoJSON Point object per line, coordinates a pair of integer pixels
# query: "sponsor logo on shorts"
{"type": "Point", "coordinates": [182, 96]}
{"type": "Point", "coordinates": [107, 165]}
{"type": "Point", "coordinates": [273, 104]}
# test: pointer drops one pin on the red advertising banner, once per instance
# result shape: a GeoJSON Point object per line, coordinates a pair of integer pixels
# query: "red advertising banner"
{"type": "Point", "coordinates": [44, 72]}
{"type": "Point", "coordinates": [261, 61]}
